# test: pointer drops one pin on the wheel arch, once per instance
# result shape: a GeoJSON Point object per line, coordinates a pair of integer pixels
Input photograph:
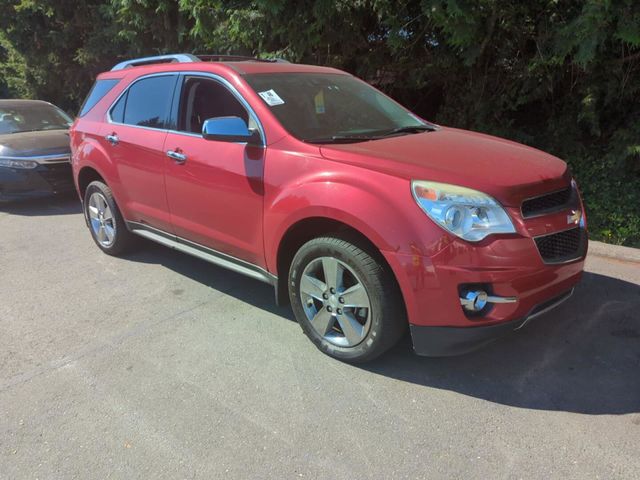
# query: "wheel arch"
{"type": "Point", "coordinates": [91, 162]}
{"type": "Point", "coordinates": [86, 175]}
{"type": "Point", "coordinates": [309, 228]}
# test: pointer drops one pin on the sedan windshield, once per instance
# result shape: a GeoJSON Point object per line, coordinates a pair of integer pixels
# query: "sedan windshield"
{"type": "Point", "coordinates": [32, 117]}
{"type": "Point", "coordinates": [333, 108]}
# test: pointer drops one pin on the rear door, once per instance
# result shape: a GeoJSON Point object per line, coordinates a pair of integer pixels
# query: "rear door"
{"type": "Point", "coordinates": [216, 194]}
{"type": "Point", "coordinates": [134, 137]}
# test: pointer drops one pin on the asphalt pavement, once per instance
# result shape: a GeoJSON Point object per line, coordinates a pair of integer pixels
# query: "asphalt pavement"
{"type": "Point", "coordinates": [159, 365]}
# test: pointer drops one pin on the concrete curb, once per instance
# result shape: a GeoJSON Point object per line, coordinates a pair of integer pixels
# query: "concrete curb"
{"type": "Point", "coordinates": [625, 254]}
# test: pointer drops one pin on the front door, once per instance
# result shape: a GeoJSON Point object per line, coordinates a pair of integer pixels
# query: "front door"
{"type": "Point", "coordinates": [214, 189]}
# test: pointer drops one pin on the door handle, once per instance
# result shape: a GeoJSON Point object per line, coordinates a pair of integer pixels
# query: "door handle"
{"type": "Point", "coordinates": [179, 158]}
{"type": "Point", "coordinates": [112, 139]}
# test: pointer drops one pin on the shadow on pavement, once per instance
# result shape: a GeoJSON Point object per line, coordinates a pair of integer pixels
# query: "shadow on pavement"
{"type": "Point", "coordinates": [583, 357]}
{"type": "Point", "coordinates": [62, 204]}
{"type": "Point", "coordinates": [251, 291]}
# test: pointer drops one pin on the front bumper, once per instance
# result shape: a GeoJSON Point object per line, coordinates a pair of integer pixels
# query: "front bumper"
{"type": "Point", "coordinates": [504, 267]}
{"type": "Point", "coordinates": [17, 183]}
{"type": "Point", "coordinates": [448, 341]}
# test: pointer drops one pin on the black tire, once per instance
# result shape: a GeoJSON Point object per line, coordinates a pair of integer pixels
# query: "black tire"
{"type": "Point", "coordinates": [387, 313]}
{"type": "Point", "coordinates": [123, 240]}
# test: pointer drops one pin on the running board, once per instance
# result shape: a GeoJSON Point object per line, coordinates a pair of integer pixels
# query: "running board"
{"type": "Point", "coordinates": [208, 254]}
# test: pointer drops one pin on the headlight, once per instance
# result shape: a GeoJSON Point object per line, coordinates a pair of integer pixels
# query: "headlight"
{"type": "Point", "coordinates": [467, 213]}
{"type": "Point", "coordinates": [15, 163]}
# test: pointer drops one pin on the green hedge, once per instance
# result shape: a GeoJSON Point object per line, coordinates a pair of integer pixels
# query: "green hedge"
{"type": "Point", "coordinates": [560, 75]}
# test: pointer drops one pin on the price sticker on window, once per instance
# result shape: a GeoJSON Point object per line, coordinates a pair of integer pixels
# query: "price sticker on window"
{"type": "Point", "coordinates": [271, 97]}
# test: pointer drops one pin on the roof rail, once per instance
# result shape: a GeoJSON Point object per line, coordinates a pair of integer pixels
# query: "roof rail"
{"type": "Point", "coordinates": [238, 58]}
{"type": "Point", "coordinates": [174, 58]}
{"type": "Point", "coordinates": [187, 58]}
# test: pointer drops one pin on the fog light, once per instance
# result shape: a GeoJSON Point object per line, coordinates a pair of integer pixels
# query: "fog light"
{"type": "Point", "coordinates": [474, 300]}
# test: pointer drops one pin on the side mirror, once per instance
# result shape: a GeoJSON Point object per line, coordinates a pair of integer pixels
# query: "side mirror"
{"type": "Point", "coordinates": [230, 129]}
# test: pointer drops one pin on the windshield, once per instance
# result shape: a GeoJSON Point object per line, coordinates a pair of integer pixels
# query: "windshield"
{"type": "Point", "coordinates": [32, 117]}
{"type": "Point", "coordinates": [324, 108]}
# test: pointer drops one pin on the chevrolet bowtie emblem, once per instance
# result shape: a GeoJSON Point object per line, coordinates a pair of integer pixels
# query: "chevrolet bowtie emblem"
{"type": "Point", "coordinates": [574, 218]}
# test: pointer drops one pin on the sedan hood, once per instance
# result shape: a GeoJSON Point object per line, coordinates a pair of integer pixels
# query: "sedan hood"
{"type": "Point", "coordinates": [508, 171]}
{"type": "Point", "coordinates": [29, 144]}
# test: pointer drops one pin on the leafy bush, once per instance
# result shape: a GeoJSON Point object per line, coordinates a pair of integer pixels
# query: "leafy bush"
{"type": "Point", "coordinates": [563, 76]}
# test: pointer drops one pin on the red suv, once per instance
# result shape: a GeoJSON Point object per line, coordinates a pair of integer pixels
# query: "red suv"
{"type": "Point", "coordinates": [363, 216]}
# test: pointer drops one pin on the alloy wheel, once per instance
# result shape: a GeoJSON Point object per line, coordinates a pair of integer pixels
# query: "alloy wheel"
{"type": "Point", "coordinates": [335, 301]}
{"type": "Point", "coordinates": [101, 219]}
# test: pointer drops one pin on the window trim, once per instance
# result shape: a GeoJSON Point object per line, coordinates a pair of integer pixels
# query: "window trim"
{"type": "Point", "coordinates": [126, 92]}
{"type": "Point", "coordinates": [177, 91]}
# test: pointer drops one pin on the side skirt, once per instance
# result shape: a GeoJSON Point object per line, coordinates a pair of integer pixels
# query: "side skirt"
{"type": "Point", "coordinates": [205, 253]}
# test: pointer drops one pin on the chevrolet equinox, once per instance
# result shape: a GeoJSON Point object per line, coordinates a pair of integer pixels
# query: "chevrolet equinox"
{"type": "Point", "coordinates": [363, 216]}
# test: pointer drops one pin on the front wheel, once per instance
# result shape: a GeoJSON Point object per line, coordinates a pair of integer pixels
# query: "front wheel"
{"type": "Point", "coordinates": [345, 299]}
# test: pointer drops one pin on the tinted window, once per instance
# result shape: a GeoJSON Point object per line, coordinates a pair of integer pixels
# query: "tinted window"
{"type": "Point", "coordinates": [99, 90]}
{"type": "Point", "coordinates": [318, 107]}
{"type": "Point", "coordinates": [149, 102]}
{"type": "Point", "coordinates": [117, 112]}
{"type": "Point", "coordinates": [204, 98]}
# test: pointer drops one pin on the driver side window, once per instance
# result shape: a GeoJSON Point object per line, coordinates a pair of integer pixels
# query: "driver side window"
{"type": "Point", "coordinates": [203, 98]}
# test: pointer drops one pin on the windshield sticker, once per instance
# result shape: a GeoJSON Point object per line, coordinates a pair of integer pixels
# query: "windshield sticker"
{"type": "Point", "coordinates": [271, 97]}
{"type": "Point", "coordinates": [319, 101]}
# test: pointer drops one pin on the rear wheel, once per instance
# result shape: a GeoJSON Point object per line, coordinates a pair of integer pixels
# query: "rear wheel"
{"type": "Point", "coordinates": [345, 299]}
{"type": "Point", "coordinates": [105, 221]}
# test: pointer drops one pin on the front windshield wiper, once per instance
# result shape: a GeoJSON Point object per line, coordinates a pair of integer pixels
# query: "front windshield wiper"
{"type": "Point", "coordinates": [408, 129]}
{"type": "Point", "coordinates": [378, 135]}
{"type": "Point", "coordinates": [341, 139]}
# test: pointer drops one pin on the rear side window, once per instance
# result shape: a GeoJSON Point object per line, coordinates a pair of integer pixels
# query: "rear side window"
{"type": "Point", "coordinates": [117, 112]}
{"type": "Point", "coordinates": [99, 90]}
{"type": "Point", "coordinates": [148, 102]}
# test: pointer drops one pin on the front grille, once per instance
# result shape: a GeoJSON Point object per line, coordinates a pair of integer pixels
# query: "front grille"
{"type": "Point", "coordinates": [546, 203]}
{"type": "Point", "coordinates": [58, 175]}
{"type": "Point", "coordinates": [562, 246]}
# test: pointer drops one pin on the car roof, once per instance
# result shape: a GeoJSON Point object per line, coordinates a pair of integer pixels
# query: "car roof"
{"type": "Point", "coordinates": [238, 67]}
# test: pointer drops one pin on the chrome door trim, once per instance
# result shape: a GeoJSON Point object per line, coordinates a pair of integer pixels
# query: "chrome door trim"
{"type": "Point", "coordinates": [234, 91]}
{"type": "Point", "coordinates": [213, 76]}
{"type": "Point", "coordinates": [205, 253]}
{"type": "Point", "coordinates": [126, 90]}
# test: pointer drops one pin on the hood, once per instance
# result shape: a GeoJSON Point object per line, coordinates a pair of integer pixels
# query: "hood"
{"type": "Point", "coordinates": [29, 144]}
{"type": "Point", "coordinates": [508, 171]}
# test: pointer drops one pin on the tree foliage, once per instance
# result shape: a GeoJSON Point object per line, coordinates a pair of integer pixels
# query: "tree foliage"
{"type": "Point", "coordinates": [562, 75]}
